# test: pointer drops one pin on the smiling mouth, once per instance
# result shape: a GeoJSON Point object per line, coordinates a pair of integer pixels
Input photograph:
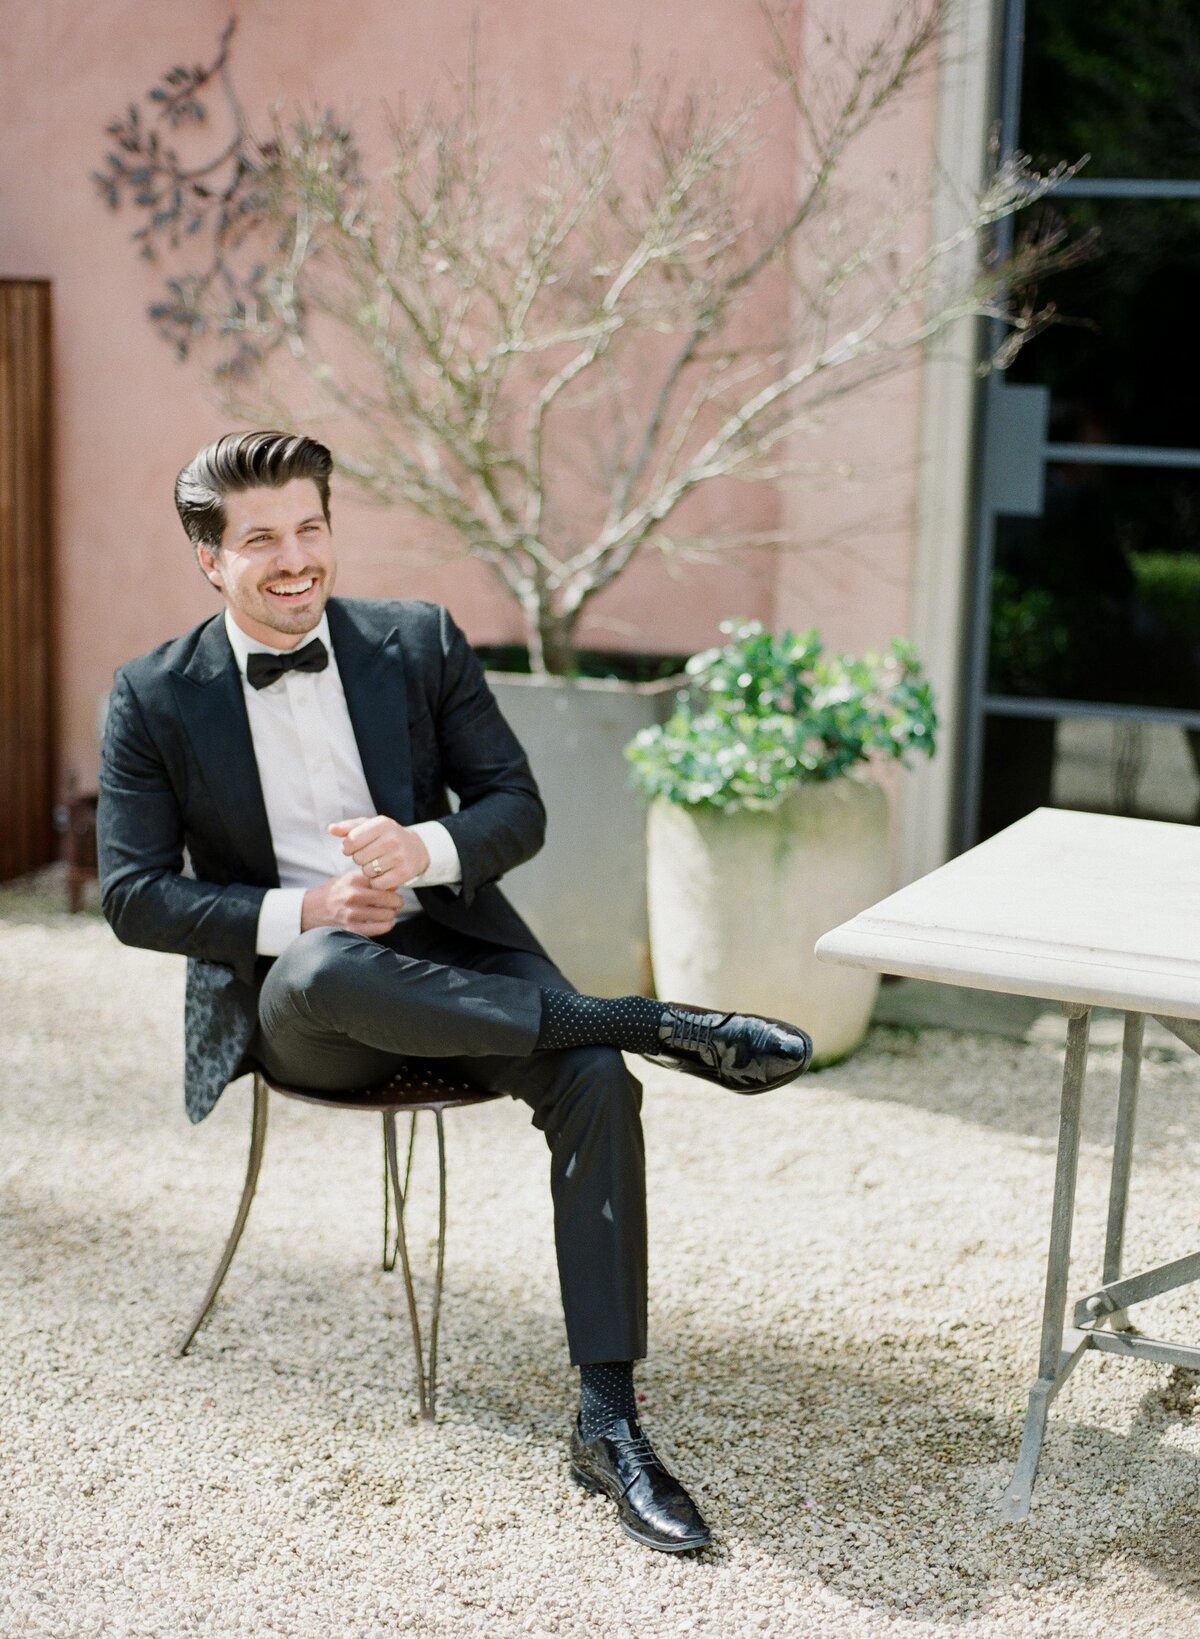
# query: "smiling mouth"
{"type": "Point", "coordinates": [293, 589]}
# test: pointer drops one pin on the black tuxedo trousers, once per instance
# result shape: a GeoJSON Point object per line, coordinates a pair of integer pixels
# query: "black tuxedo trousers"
{"type": "Point", "coordinates": [341, 1011]}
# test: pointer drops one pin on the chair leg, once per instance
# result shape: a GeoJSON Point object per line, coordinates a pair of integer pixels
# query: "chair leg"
{"type": "Point", "coordinates": [258, 1137]}
{"type": "Point", "coordinates": [393, 1161]}
{"type": "Point", "coordinates": [390, 1248]}
{"type": "Point", "coordinates": [389, 1256]}
{"type": "Point", "coordinates": [441, 1264]}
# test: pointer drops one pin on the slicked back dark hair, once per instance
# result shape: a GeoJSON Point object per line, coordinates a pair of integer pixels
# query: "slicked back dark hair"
{"type": "Point", "coordinates": [241, 461]}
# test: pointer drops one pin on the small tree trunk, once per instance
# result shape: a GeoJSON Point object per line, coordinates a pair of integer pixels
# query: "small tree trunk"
{"type": "Point", "coordinates": [552, 644]}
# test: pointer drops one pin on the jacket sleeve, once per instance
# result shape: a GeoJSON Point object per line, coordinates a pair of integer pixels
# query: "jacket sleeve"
{"type": "Point", "coordinates": [140, 838]}
{"type": "Point", "coordinates": [501, 821]}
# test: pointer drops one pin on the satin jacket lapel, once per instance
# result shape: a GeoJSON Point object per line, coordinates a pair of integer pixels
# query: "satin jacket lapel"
{"type": "Point", "coordinates": [213, 707]}
{"type": "Point", "coordinates": [372, 673]}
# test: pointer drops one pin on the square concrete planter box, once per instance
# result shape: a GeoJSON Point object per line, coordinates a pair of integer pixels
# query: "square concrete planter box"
{"type": "Point", "coordinates": [584, 895]}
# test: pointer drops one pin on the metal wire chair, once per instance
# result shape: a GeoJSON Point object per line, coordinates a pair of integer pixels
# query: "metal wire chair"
{"type": "Point", "coordinates": [411, 1091]}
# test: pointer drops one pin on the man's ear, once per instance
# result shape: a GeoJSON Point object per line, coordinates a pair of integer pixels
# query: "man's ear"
{"type": "Point", "coordinates": [207, 559]}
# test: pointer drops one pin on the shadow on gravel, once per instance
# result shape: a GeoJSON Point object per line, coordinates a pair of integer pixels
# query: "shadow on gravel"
{"type": "Point", "coordinates": [1015, 1087]}
{"type": "Point", "coordinates": [897, 1477]}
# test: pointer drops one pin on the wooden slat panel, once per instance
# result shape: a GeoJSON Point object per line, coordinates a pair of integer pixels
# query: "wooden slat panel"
{"type": "Point", "coordinates": [11, 795]}
{"type": "Point", "coordinates": [10, 805]}
{"type": "Point", "coordinates": [26, 614]}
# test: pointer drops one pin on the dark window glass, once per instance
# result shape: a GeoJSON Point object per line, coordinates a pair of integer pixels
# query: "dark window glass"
{"type": "Point", "coordinates": [1097, 602]}
{"type": "Point", "coordinates": [1124, 362]}
{"type": "Point", "coordinates": [1099, 598]}
{"type": "Point", "coordinates": [1119, 81]}
{"type": "Point", "coordinates": [1104, 765]}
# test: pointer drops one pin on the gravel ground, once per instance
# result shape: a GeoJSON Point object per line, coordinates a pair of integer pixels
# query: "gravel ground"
{"type": "Point", "coordinates": [845, 1281]}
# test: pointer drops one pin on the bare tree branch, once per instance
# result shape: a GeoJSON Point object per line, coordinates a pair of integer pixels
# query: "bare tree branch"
{"type": "Point", "coordinates": [549, 360]}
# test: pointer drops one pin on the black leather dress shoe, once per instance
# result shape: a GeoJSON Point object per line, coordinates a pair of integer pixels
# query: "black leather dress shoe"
{"type": "Point", "coordinates": [652, 1506]}
{"type": "Point", "coordinates": [737, 1050]}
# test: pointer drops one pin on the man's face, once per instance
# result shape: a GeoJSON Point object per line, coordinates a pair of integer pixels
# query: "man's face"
{"type": "Point", "coordinates": [275, 567]}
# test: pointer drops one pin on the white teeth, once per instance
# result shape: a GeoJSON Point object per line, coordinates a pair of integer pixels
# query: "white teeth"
{"type": "Point", "coordinates": [292, 591]}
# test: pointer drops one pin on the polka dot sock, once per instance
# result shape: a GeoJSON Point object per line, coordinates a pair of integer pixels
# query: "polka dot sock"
{"type": "Point", "coordinates": [628, 1022]}
{"type": "Point", "coordinates": [605, 1396]}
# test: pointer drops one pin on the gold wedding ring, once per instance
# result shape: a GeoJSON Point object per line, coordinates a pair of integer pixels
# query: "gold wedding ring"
{"type": "Point", "coordinates": [375, 868]}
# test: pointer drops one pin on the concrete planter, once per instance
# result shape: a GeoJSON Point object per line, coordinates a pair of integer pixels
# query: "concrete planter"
{"type": "Point", "coordinates": [584, 895]}
{"type": "Point", "coordinates": [737, 902]}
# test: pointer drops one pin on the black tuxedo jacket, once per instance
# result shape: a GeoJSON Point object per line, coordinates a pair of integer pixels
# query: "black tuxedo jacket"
{"type": "Point", "coordinates": [178, 773]}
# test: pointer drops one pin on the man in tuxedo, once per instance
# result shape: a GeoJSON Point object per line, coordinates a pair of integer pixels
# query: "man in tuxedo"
{"type": "Point", "coordinates": [340, 919]}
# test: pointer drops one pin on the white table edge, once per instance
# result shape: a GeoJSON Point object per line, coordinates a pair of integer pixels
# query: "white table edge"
{"type": "Point", "coordinates": [1057, 978]}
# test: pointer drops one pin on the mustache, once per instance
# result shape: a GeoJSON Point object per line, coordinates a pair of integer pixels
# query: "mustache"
{"type": "Point", "coordinates": [276, 580]}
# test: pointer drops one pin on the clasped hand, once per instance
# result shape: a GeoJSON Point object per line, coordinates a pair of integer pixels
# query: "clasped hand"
{"type": "Point", "coordinates": [365, 901]}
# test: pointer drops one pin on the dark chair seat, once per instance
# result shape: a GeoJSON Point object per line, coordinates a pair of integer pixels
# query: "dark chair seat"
{"type": "Point", "coordinates": [413, 1087]}
{"type": "Point", "coordinates": [412, 1090]}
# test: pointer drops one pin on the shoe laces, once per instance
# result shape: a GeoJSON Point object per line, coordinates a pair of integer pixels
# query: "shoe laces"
{"type": "Point", "coordinates": [637, 1446]}
{"type": "Point", "coordinates": [691, 1031]}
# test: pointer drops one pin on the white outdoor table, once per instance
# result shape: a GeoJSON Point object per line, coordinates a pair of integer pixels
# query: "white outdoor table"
{"type": "Point", "coordinates": [1087, 910]}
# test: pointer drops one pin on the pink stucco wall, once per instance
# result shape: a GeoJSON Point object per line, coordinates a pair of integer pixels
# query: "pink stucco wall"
{"type": "Point", "coordinates": [128, 415]}
{"type": "Point", "coordinates": [849, 567]}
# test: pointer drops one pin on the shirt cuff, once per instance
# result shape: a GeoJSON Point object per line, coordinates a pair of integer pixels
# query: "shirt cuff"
{"type": "Point", "coordinates": [279, 920]}
{"type": "Point", "coordinates": [445, 867]}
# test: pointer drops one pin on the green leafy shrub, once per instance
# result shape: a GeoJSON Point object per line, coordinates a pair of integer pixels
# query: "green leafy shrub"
{"type": "Point", "coordinates": [1029, 638]}
{"type": "Point", "coordinates": [1169, 584]}
{"type": "Point", "coordinates": [765, 713]}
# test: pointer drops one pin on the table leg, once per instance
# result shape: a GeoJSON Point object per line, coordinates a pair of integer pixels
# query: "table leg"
{"type": "Point", "coordinates": [1056, 1361]}
{"type": "Point", "coordinates": [1122, 1163]}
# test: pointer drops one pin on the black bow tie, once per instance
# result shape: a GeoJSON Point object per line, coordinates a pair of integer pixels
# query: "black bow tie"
{"type": "Point", "coordinates": [264, 669]}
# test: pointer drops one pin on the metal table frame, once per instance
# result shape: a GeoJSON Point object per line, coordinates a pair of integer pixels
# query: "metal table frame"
{"type": "Point", "coordinates": [1101, 1319]}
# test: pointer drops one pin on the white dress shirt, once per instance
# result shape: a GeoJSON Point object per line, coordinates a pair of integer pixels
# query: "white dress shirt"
{"type": "Point", "coordinates": [311, 775]}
